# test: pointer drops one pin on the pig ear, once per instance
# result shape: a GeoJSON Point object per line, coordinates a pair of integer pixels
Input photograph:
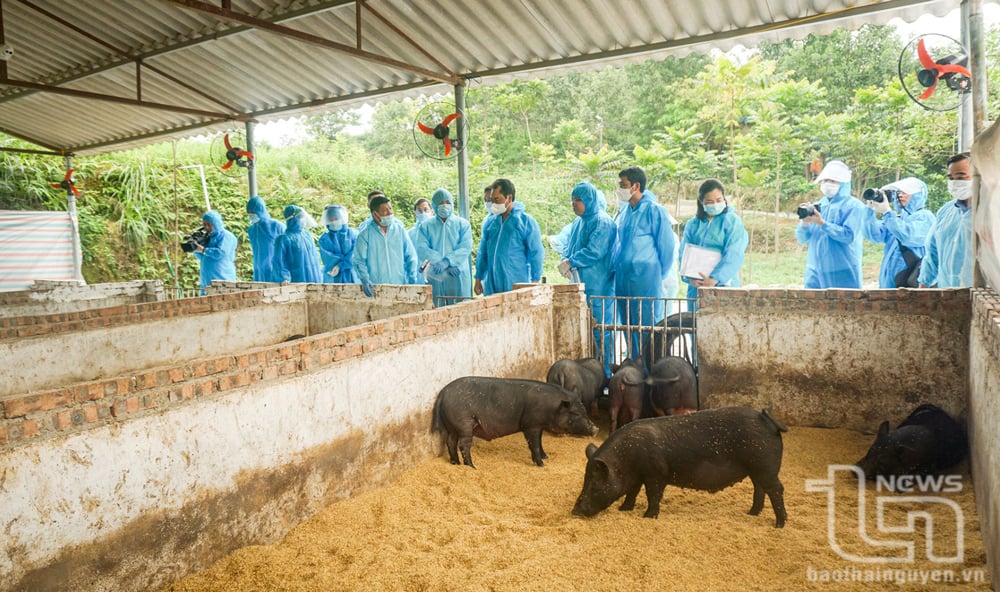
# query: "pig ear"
{"type": "Point", "coordinates": [883, 430]}
{"type": "Point", "coordinates": [591, 449]}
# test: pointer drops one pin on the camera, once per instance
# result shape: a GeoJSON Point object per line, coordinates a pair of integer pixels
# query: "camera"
{"type": "Point", "coordinates": [880, 195]}
{"type": "Point", "coordinates": [806, 210]}
{"type": "Point", "coordinates": [191, 241]}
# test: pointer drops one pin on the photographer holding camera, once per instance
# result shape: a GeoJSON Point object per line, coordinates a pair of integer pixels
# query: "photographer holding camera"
{"type": "Point", "coordinates": [903, 229]}
{"type": "Point", "coordinates": [217, 256]}
{"type": "Point", "coordinates": [832, 229]}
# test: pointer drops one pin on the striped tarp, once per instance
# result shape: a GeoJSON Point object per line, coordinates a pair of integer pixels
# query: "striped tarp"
{"type": "Point", "coordinates": [34, 246]}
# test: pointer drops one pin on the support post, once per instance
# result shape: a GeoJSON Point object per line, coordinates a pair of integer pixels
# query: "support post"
{"type": "Point", "coordinates": [463, 163]}
{"type": "Point", "coordinates": [252, 169]}
{"type": "Point", "coordinates": [977, 65]}
{"type": "Point", "coordinates": [74, 222]}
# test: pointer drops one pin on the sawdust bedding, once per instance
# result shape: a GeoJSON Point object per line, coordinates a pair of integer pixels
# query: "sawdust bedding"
{"type": "Point", "coordinates": [507, 526]}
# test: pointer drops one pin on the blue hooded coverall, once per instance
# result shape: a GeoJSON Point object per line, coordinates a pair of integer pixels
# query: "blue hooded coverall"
{"type": "Point", "coordinates": [218, 262]}
{"type": "Point", "coordinates": [833, 259]}
{"type": "Point", "coordinates": [909, 225]}
{"type": "Point", "coordinates": [262, 234]}
{"type": "Point", "coordinates": [510, 251]}
{"type": "Point", "coordinates": [336, 249]}
{"type": "Point", "coordinates": [724, 233]}
{"type": "Point", "coordinates": [593, 239]}
{"type": "Point", "coordinates": [385, 258]}
{"type": "Point", "coordinates": [295, 258]}
{"type": "Point", "coordinates": [644, 257]}
{"type": "Point", "coordinates": [446, 244]}
{"type": "Point", "coordinates": [948, 258]}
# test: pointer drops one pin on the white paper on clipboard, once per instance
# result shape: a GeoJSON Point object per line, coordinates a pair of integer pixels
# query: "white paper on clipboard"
{"type": "Point", "coordinates": [699, 260]}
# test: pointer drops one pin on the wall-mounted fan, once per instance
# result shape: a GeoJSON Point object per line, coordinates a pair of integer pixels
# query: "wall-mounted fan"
{"type": "Point", "coordinates": [229, 154]}
{"type": "Point", "coordinates": [435, 131]}
{"type": "Point", "coordinates": [67, 184]}
{"type": "Point", "coordinates": [930, 60]}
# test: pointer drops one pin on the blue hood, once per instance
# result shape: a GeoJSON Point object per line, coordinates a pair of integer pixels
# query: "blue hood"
{"type": "Point", "coordinates": [256, 206]}
{"type": "Point", "coordinates": [215, 218]}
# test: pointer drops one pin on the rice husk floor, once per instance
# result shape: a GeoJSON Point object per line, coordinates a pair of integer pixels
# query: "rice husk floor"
{"type": "Point", "coordinates": [507, 526]}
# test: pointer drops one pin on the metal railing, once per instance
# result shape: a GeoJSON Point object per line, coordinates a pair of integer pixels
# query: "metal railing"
{"type": "Point", "coordinates": [643, 328]}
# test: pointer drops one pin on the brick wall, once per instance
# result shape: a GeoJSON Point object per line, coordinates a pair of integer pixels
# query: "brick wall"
{"type": "Point", "coordinates": [984, 417]}
{"type": "Point", "coordinates": [52, 297]}
{"type": "Point", "coordinates": [47, 414]}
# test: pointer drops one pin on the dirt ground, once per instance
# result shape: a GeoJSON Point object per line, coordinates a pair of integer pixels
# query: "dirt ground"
{"type": "Point", "coordinates": [507, 526]}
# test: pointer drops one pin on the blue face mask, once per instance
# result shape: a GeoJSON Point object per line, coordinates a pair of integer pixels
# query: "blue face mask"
{"type": "Point", "coordinates": [334, 226]}
{"type": "Point", "coordinates": [424, 216]}
{"type": "Point", "coordinates": [253, 218]}
{"type": "Point", "coordinates": [387, 221]}
{"type": "Point", "coordinates": [715, 209]}
{"type": "Point", "coordinates": [444, 210]}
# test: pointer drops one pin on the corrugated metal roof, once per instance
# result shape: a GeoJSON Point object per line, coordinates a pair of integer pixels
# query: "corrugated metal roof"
{"type": "Point", "coordinates": [203, 67]}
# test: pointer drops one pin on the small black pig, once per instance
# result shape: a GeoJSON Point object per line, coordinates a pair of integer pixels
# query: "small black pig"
{"type": "Point", "coordinates": [709, 450]}
{"type": "Point", "coordinates": [578, 377]}
{"type": "Point", "coordinates": [926, 442]}
{"type": "Point", "coordinates": [490, 408]}
{"type": "Point", "coordinates": [674, 387]}
{"type": "Point", "coordinates": [627, 392]}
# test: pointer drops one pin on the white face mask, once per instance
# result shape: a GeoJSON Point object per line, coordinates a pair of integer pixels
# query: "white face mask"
{"type": "Point", "coordinates": [254, 218]}
{"type": "Point", "coordinates": [829, 188]}
{"type": "Point", "coordinates": [960, 189]}
{"type": "Point", "coordinates": [498, 208]}
{"type": "Point", "coordinates": [622, 196]}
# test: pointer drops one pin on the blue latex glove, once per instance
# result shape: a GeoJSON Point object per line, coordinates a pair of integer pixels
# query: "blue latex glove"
{"type": "Point", "coordinates": [439, 267]}
{"type": "Point", "coordinates": [454, 271]}
{"type": "Point", "coordinates": [366, 287]}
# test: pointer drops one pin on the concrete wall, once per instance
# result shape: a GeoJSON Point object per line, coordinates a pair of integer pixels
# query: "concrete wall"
{"type": "Point", "coordinates": [984, 417]}
{"type": "Point", "coordinates": [50, 297]}
{"type": "Point", "coordinates": [133, 481]}
{"type": "Point", "coordinates": [835, 358]}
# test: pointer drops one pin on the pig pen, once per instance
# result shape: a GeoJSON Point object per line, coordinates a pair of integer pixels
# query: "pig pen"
{"type": "Point", "coordinates": [190, 461]}
{"type": "Point", "coordinates": [141, 442]}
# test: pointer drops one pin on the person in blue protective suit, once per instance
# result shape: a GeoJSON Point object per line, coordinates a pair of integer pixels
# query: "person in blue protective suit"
{"type": "Point", "coordinates": [295, 257]}
{"type": "Point", "coordinates": [510, 251]}
{"type": "Point", "coordinates": [217, 259]}
{"type": "Point", "coordinates": [445, 243]}
{"type": "Point", "coordinates": [384, 253]}
{"type": "Point", "coordinates": [833, 232]}
{"type": "Point", "coordinates": [262, 232]}
{"type": "Point", "coordinates": [422, 212]}
{"type": "Point", "coordinates": [593, 239]}
{"type": "Point", "coordinates": [903, 230]}
{"type": "Point", "coordinates": [336, 247]}
{"type": "Point", "coordinates": [715, 227]}
{"type": "Point", "coordinates": [645, 256]}
{"type": "Point", "coordinates": [371, 195]}
{"type": "Point", "coordinates": [948, 258]}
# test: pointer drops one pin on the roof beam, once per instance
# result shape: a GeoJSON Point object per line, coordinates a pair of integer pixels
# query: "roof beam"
{"type": "Point", "coordinates": [82, 94]}
{"type": "Point", "coordinates": [14, 134]}
{"type": "Point", "coordinates": [447, 78]}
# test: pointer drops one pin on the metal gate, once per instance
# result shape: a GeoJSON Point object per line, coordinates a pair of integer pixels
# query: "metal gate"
{"type": "Point", "coordinates": [643, 328]}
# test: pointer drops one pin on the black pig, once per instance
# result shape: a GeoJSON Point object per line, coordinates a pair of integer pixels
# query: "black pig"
{"type": "Point", "coordinates": [926, 442]}
{"type": "Point", "coordinates": [578, 377]}
{"type": "Point", "coordinates": [709, 450]}
{"type": "Point", "coordinates": [489, 408]}
{"type": "Point", "coordinates": [674, 387]}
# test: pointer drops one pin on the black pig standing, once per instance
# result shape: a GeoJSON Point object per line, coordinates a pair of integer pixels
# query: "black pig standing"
{"type": "Point", "coordinates": [926, 442]}
{"type": "Point", "coordinates": [490, 408]}
{"type": "Point", "coordinates": [709, 450]}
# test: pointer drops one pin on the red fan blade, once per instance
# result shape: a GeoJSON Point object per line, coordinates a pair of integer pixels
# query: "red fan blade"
{"type": "Point", "coordinates": [225, 140]}
{"type": "Point", "coordinates": [447, 146]}
{"type": "Point", "coordinates": [55, 185]}
{"type": "Point", "coordinates": [953, 68]}
{"type": "Point", "coordinates": [930, 90]}
{"type": "Point", "coordinates": [245, 153]}
{"type": "Point", "coordinates": [227, 165]}
{"type": "Point", "coordinates": [451, 118]}
{"type": "Point", "coordinates": [925, 58]}
{"type": "Point", "coordinates": [69, 173]}
{"type": "Point", "coordinates": [75, 191]}
{"type": "Point", "coordinates": [427, 130]}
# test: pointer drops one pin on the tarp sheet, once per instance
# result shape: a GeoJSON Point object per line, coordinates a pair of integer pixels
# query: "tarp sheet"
{"type": "Point", "coordinates": [35, 246]}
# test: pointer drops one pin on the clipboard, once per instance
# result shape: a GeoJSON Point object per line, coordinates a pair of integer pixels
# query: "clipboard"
{"type": "Point", "coordinates": [699, 260]}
